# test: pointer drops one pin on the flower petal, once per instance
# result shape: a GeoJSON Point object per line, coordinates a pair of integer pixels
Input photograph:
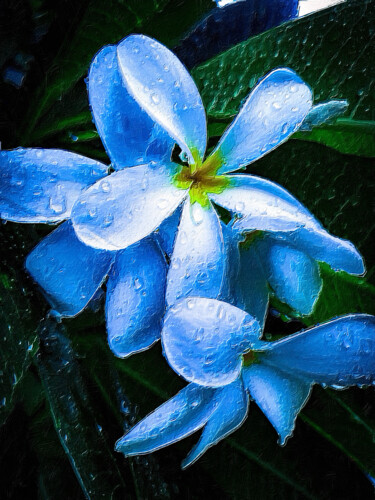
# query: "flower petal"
{"type": "Point", "coordinates": [232, 266]}
{"type": "Point", "coordinates": [129, 135]}
{"type": "Point", "coordinates": [164, 89]}
{"type": "Point", "coordinates": [338, 353]}
{"type": "Point", "coordinates": [292, 274]}
{"type": "Point", "coordinates": [68, 271]}
{"type": "Point", "coordinates": [203, 340]}
{"type": "Point", "coordinates": [125, 207]}
{"type": "Point", "coordinates": [198, 259]}
{"type": "Point", "coordinates": [263, 205]}
{"type": "Point", "coordinates": [41, 185]}
{"type": "Point", "coordinates": [315, 241]}
{"type": "Point", "coordinates": [167, 231]}
{"type": "Point", "coordinates": [279, 396]}
{"type": "Point", "coordinates": [273, 111]}
{"type": "Point", "coordinates": [325, 112]}
{"type": "Point", "coordinates": [252, 288]}
{"type": "Point", "coordinates": [135, 298]}
{"type": "Point", "coordinates": [230, 413]}
{"type": "Point", "coordinates": [176, 419]}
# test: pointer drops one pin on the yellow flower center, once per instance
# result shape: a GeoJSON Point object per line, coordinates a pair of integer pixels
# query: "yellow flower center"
{"type": "Point", "coordinates": [201, 178]}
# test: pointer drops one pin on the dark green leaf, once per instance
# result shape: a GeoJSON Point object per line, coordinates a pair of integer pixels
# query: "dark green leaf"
{"type": "Point", "coordinates": [105, 22]}
{"type": "Point", "coordinates": [18, 323]}
{"type": "Point", "coordinates": [356, 137]}
{"type": "Point", "coordinates": [76, 423]}
{"type": "Point", "coordinates": [331, 50]}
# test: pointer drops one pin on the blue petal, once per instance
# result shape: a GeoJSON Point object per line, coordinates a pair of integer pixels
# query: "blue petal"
{"type": "Point", "coordinates": [325, 112]}
{"type": "Point", "coordinates": [338, 353]}
{"type": "Point", "coordinates": [41, 185]}
{"type": "Point", "coordinates": [252, 287]}
{"type": "Point", "coordinates": [125, 207]}
{"type": "Point", "coordinates": [203, 340]}
{"type": "Point", "coordinates": [68, 271]}
{"type": "Point", "coordinates": [176, 419]}
{"type": "Point", "coordinates": [320, 245]}
{"type": "Point", "coordinates": [292, 274]}
{"type": "Point", "coordinates": [164, 89]}
{"type": "Point", "coordinates": [262, 205]}
{"type": "Point", "coordinates": [167, 231]}
{"type": "Point", "coordinates": [129, 135]}
{"type": "Point", "coordinates": [230, 413]}
{"type": "Point", "coordinates": [278, 395]}
{"type": "Point", "coordinates": [273, 111]}
{"type": "Point", "coordinates": [198, 260]}
{"type": "Point", "coordinates": [135, 298]}
{"type": "Point", "coordinates": [232, 266]}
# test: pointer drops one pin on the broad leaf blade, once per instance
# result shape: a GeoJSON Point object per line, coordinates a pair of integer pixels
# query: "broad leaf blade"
{"type": "Point", "coordinates": [75, 422]}
{"type": "Point", "coordinates": [356, 137]}
{"type": "Point", "coordinates": [331, 50]}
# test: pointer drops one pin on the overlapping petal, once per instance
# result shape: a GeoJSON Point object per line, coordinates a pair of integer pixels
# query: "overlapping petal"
{"type": "Point", "coordinates": [292, 274]}
{"type": "Point", "coordinates": [125, 206]}
{"type": "Point", "coordinates": [41, 185]}
{"type": "Point", "coordinates": [228, 289]}
{"type": "Point", "coordinates": [68, 271]}
{"type": "Point", "coordinates": [324, 112]}
{"type": "Point", "coordinates": [198, 262]}
{"type": "Point", "coordinates": [252, 290]}
{"type": "Point", "coordinates": [338, 353]}
{"type": "Point", "coordinates": [273, 111]}
{"type": "Point", "coordinates": [262, 205]}
{"type": "Point", "coordinates": [167, 231]}
{"type": "Point", "coordinates": [162, 86]}
{"type": "Point", "coordinates": [340, 254]}
{"type": "Point", "coordinates": [128, 133]}
{"type": "Point", "coordinates": [176, 419]}
{"type": "Point", "coordinates": [203, 340]}
{"type": "Point", "coordinates": [135, 298]}
{"type": "Point", "coordinates": [230, 413]}
{"type": "Point", "coordinates": [279, 395]}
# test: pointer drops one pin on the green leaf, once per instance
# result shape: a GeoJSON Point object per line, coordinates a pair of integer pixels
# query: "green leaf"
{"type": "Point", "coordinates": [341, 294]}
{"type": "Point", "coordinates": [104, 22]}
{"type": "Point", "coordinates": [356, 137]}
{"type": "Point", "coordinates": [346, 428]}
{"type": "Point", "coordinates": [331, 50]}
{"type": "Point", "coordinates": [19, 318]}
{"type": "Point", "coordinates": [76, 423]}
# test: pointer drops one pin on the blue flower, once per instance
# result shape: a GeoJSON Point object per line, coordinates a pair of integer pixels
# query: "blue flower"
{"type": "Point", "coordinates": [216, 347]}
{"type": "Point", "coordinates": [144, 102]}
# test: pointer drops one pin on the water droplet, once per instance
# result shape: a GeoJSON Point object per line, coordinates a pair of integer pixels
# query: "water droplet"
{"type": "Point", "coordinates": [107, 221]}
{"type": "Point", "coordinates": [137, 283]}
{"type": "Point", "coordinates": [105, 186]}
{"type": "Point", "coordinates": [197, 214]}
{"type": "Point", "coordinates": [190, 304]}
{"type": "Point", "coordinates": [57, 205]}
{"type": "Point", "coordinates": [162, 204]}
{"type": "Point", "coordinates": [276, 105]}
{"type": "Point", "coordinates": [155, 98]}
{"type": "Point", "coordinates": [285, 129]}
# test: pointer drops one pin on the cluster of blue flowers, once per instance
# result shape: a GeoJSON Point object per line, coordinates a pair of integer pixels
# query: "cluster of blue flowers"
{"type": "Point", "coordinates": [149, 225]}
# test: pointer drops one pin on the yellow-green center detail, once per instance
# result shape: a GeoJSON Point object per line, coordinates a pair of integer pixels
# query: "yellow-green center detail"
{"type": "Point", "coordinates": [201, 178]}
{"type": "Point", "coordinates": [251, 358]}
